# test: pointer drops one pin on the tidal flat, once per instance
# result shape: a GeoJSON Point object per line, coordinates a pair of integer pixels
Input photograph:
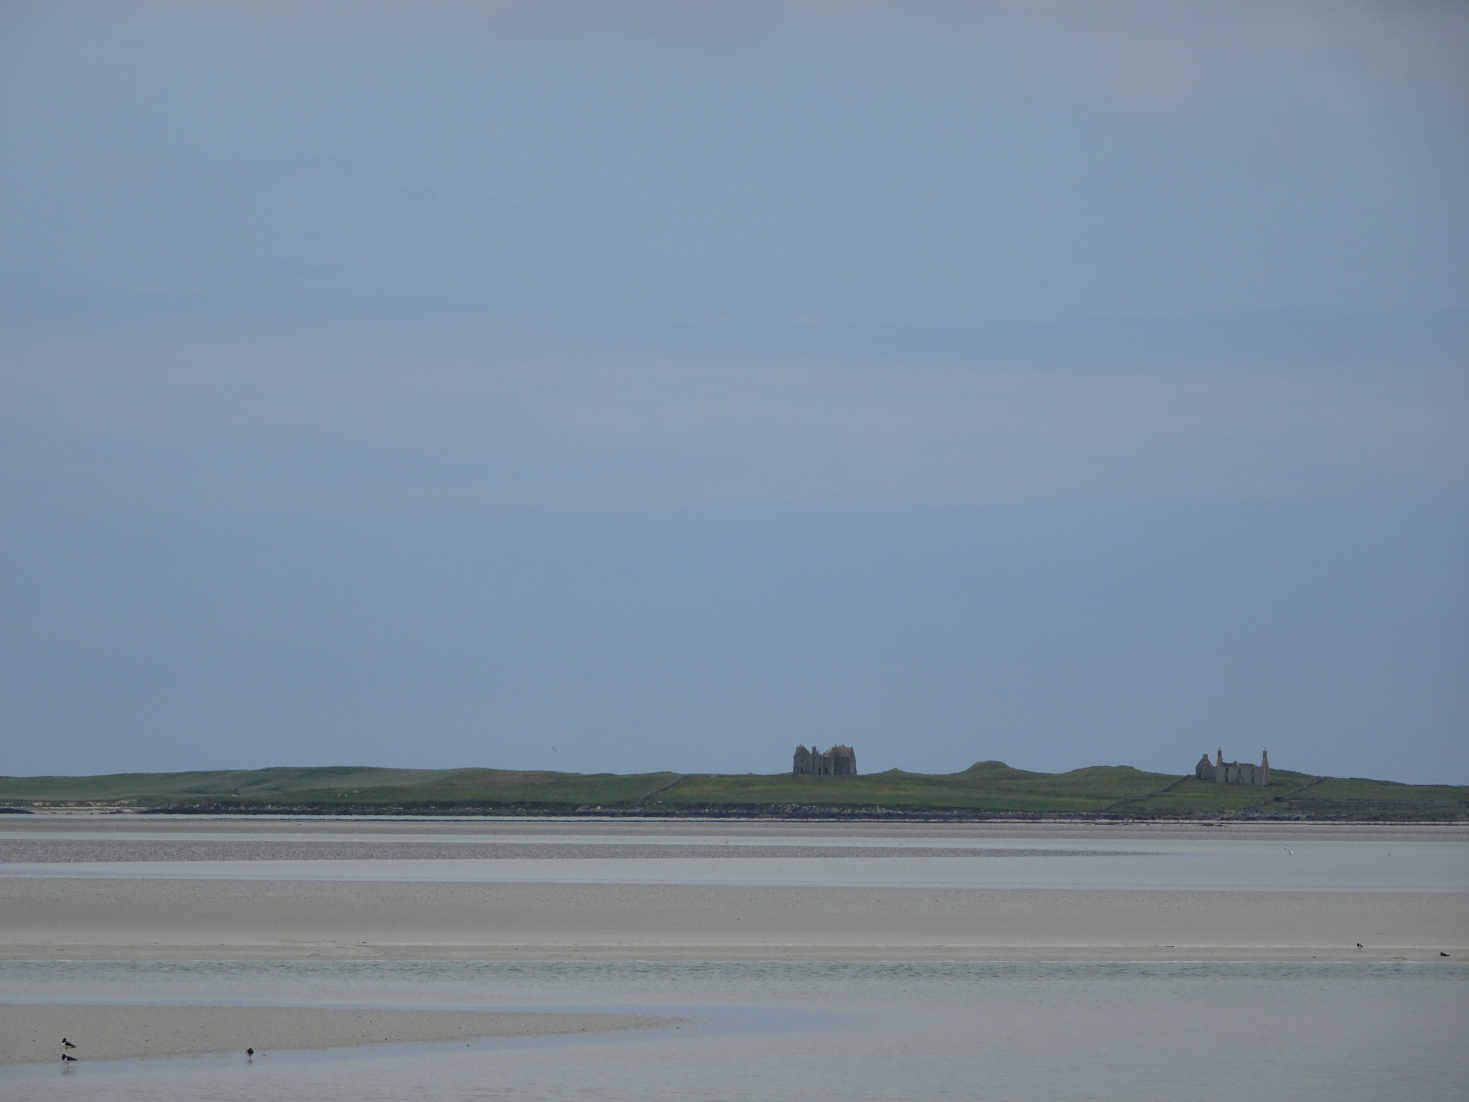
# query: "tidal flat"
{"type": "Point", "coordinates": [548, 958]}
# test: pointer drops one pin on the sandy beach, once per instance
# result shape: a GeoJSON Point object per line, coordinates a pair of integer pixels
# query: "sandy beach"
{"type": "Point", "coordinates": [115, 919]}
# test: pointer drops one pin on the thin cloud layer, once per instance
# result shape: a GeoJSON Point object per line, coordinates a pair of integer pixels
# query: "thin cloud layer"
{"type": "Point", "coordinates": [435, 417]}
{"type": "Point", "coordinates": [1151, 48]}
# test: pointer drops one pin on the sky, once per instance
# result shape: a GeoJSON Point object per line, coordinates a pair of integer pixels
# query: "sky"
{"type": "Point", "coordinates": [660, 385]}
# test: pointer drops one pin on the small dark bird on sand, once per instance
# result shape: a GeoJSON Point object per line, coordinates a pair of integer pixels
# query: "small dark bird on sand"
{"type": "Point", "coordinates": [1359, 945]}
{"type": "Point", "coordinates": [66, 1044]}
{"type": "Point", "coordinates": [67, 1058]}
{"type": "Point", "coordinates": [1442, 953]}
{"type": "Point", "coordinates": [249, 1054]}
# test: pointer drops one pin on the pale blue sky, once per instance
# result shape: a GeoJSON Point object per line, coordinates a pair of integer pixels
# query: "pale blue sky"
{"type": "Point", "coordinates": [458, 384]}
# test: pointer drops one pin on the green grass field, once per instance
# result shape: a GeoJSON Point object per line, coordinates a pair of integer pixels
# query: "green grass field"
{"type": "Point", "coordinates": [985, 789]}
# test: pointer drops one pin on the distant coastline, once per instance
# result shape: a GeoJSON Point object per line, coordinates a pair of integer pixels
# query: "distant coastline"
{"type": "Point", "coordinates": [987, 790]}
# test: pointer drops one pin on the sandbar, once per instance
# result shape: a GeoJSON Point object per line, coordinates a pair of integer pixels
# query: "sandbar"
{"type": "Point", "coordinates": [124, 919]}
{"type": "Point", "coordinates": [32, 1033]}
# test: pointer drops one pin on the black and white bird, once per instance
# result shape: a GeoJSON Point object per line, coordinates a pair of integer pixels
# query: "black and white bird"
{"type": "Point", "coordinates": [68, 1058]}
{"type": "Point", "coordinates": [66, 1044]}
{"type": "Point", "coordinates": [249, 1054]}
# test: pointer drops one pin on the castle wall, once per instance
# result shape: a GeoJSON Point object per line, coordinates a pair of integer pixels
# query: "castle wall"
{"type": "Point", "coordinates": [838, 761]}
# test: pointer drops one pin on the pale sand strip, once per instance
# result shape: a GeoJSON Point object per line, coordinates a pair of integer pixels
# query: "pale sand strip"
{"type": "Point", "coordinates": [49, 919]}
{"type": "Point", "coordinates": [31, 1033]}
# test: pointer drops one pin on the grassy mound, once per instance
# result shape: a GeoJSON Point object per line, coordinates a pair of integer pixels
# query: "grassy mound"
{"type": "Point", "coordinates": [985, 789]}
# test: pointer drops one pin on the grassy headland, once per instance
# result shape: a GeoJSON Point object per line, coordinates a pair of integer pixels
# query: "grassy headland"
{"type": "Point", "coordinates": [988, 789]}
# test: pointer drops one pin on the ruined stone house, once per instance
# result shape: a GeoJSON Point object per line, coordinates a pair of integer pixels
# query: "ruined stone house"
{"type": "Point", "coordinates": [1233, 772]}
{"type": "Point", "coordinates": [839, 761]}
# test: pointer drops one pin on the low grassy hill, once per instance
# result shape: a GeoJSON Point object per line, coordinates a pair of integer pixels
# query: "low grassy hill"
{"type": "Point", "coordinates": [985, 789]}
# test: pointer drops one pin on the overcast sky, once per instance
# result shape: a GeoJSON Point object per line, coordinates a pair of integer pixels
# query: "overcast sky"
{"type": "Point", "coordinates": [617, 387]}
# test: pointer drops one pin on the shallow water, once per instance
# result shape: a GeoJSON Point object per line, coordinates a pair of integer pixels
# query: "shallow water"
{"type": "Point", "coordinates": [815, 1030]}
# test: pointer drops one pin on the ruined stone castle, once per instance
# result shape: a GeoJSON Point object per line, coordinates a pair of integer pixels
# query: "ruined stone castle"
{"type": "Point", "coordinates": [839, 761]}
{"type": "Point", "coordinates": [1233, 772]}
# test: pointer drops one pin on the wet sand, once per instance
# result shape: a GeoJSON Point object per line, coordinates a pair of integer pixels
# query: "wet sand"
{"type": "Point", "coordinates": [120, 919]}
{"type": "Point", "coordinates": [116, 917]}
{"type": "Point", "coordinates": [32, 1033]}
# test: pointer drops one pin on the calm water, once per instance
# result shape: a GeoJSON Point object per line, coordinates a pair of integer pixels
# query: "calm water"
{"type": "Point", "coordinates": [881, 1031]}
{"type": "Point", "coordinates": [789, 1030]}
